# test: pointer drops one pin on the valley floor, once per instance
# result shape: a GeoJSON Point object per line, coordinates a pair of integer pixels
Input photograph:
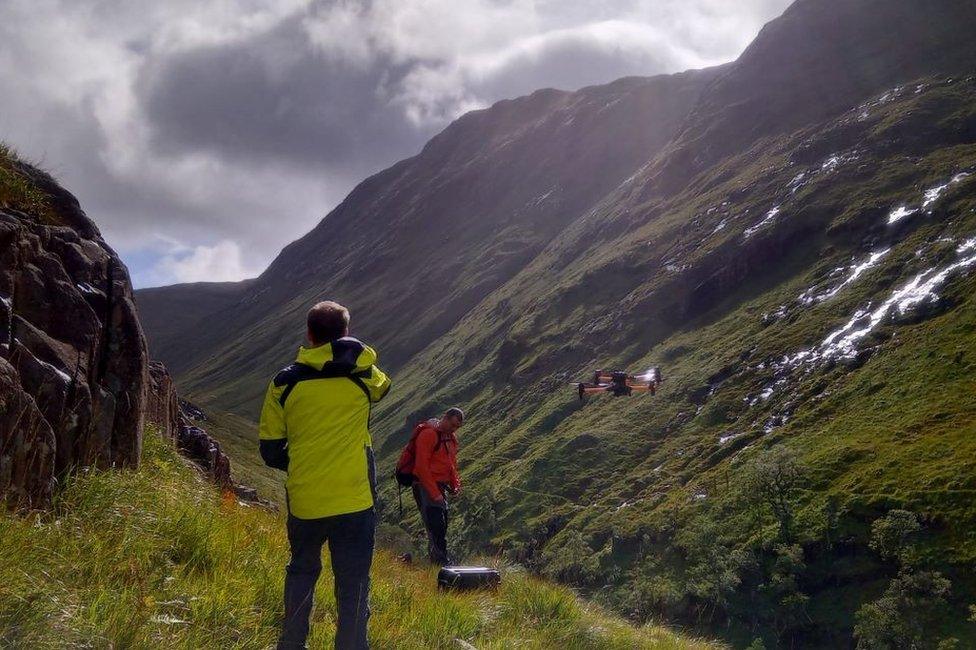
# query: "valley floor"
{"type": "Point", "coordinates": [158, 558]}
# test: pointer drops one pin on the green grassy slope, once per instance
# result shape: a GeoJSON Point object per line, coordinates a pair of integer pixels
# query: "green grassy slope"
{"type": "Point", "coordinates": [157, 558]}
{"type": "Point", "coordinates": [633, 488]}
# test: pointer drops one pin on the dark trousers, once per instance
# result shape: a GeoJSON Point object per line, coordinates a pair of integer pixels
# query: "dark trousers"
{"type": "Point", "coordinates": [434, 516]}
{"type": "Point", "coordinates": [350, 538]}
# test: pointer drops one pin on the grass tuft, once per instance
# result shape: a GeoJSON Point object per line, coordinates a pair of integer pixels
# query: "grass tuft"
{"type": "Point", "coordinates": [17, 190]}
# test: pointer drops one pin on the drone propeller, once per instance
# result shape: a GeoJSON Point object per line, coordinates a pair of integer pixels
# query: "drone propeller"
{"type": "Point", "coordinates": [653, 375]}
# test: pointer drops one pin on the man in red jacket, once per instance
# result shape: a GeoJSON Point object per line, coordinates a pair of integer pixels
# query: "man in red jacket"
{"type": "Point", "coordinates": [435, 468]}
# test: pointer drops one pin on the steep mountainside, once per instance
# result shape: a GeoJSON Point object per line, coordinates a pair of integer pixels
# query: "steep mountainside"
{"type": "Point", "coordinates": [787, 313]}
{"type": "Point", "coordinates": [797, 250]}
{"type": "Point", "coordinates": [417, 246]}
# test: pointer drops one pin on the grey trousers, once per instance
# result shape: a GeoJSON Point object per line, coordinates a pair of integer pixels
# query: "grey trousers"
{"type": "Point", "coordinates": [351, 539]}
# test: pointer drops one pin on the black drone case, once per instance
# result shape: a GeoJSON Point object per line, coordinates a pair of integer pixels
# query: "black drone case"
{"type": "Point", "coordinates": [463, 578]}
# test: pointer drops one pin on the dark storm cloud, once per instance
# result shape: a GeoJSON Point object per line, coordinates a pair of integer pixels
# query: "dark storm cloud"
{"type": "Point", "coordinates": [276, 96]}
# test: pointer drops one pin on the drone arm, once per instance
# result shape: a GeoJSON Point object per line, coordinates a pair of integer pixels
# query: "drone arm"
{"type": "Point", "coordinates": [643, 388]}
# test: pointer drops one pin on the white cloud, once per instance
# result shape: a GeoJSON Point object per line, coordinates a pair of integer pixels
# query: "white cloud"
{"type": "Point", "coordinates": [435, 92]}
{"type": "Point", "coordinates": [221, 262]}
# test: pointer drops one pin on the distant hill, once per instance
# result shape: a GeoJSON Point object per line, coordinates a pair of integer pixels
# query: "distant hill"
{"type": "Point", "coordinates": [171, 315]}
{"type": "Point", "coordinates": [792, 237]}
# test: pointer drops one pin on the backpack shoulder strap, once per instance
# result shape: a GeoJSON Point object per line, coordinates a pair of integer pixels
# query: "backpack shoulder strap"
{"type": "Point", "coordinates": [288, 377]}
{"type": "Point", "coordinates": [298, 372]}
{"type": "Point", "coordinates": [417, 430]}
{"type": "Point", "coordinates": [420, 428]}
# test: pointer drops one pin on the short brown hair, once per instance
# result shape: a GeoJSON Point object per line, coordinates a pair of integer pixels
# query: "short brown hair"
{"type": "Point", "coordinates": [327, 321]}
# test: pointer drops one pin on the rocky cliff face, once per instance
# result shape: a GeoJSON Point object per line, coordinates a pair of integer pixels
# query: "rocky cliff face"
{"type": "Point", "coordinates": [163, 402]}
{"type": "Point", "coordinates": [76, 385]}
{"type": "Point", "coordinates": [73, 360]}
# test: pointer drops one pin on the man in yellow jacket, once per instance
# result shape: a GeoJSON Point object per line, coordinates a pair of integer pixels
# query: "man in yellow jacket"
{"type": "Point", "coordinates": [315, 426]}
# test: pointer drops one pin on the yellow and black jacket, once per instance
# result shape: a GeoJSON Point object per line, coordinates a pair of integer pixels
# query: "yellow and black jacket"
{"type": "Point", "coordinates": [315, 425]}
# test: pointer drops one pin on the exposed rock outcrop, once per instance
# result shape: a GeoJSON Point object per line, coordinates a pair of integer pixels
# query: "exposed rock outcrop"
{"type": "Point", "coordinates": [200, 447]}
{"type": "Point", "coordinates": [162, 404]}
{"type": "Point", "coordinates": [76, 384]}
{"type": "Point", "coordinates": [197, 445]}
{"type": "Point", "coordinates": [28, 442]}
{"type": "Point", "coordinates": [73, 362]}
{"type": "Point", "coordinates": [177, 420]}
{"type": "Point", "coordinates": [180, 420]}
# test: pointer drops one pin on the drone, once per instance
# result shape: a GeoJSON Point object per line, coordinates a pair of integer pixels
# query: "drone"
{"type": "Point", "coordinates": [620, 384]}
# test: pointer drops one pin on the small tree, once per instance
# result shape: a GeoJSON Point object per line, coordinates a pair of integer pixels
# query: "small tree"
{"type": "Point", "coordinates": [774, 481]}
{"type": "Point", "coordinates": [892, 536]}
{"type": "Point", "coordinates": [713, 567]}
{"type": "Point", "coordinates": [782, 587]}
{"type": "Point", "coordinates": [904, 615]}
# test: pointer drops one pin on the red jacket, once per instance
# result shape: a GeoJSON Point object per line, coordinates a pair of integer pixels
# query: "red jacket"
{"type": "Point", "coordinates": [436, 463]}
